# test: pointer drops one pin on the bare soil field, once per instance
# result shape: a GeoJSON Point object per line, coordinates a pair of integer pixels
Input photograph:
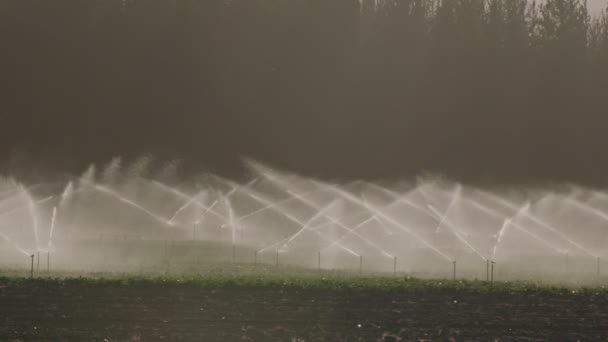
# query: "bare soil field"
{"type": "Point", "coordinates": [62, 310]}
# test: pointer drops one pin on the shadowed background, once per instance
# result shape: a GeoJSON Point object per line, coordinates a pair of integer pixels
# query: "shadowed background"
{"type": "Point", "coordinates": [496, 91]}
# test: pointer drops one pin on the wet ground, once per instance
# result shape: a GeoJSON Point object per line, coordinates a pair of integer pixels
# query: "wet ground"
{"type": "Point", "coordinates": [63, 311]}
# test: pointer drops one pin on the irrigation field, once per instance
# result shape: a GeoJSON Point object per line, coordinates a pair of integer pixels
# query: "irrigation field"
{"type": "Point", "coordinates": [126, 217]}
{"type": "Point", "coordinates": [243, 303]}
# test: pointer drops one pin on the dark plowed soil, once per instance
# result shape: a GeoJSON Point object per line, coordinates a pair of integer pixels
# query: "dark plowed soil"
{"type": "Point", "coordinates": [55, 311]}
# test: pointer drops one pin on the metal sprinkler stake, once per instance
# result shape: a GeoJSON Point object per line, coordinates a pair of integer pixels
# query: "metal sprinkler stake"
{"type": "Point", "coordinates": [32, 269]}
{"type": "Point", "coordinates": [454, 274]}
{"type": "Point", "coordinates": [487, 269]}
{"type": "Point", "coordinates": [492, 263]}
{"type": "Point", "coordinates": [360, 263]}
{"type": "Point", "coordinates": [48, 262]}
{"type": "Point", "coordinates": [319, 261]}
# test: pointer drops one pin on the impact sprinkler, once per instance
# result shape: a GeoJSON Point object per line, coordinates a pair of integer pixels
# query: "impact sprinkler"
{"type": "Point", "coordinates": [492, 263]}
{"type": "Point", "coordinates": [454, 271]}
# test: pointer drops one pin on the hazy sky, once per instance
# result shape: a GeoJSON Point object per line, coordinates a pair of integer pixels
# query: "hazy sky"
{"type": "Point", "coordinates": [319, 87]}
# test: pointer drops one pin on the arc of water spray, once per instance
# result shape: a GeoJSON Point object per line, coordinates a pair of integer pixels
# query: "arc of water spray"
{"type": "Point", "coordinates": [297, 221]}
{"type": "Point", "coordinates": [32, 211]}
{"type": "Point", "coordinates": [350, 251]}
{"type": "Point", "coordinates": [276, 204]}
{"type": "Point", "coordinates": [454, 230]}
{"type": "Point", "coordinates": [186, 205]}
{"type": "Point", "coordinates": [550, 228]}
{"type": "Point", "coordinates": [343, 226]}
{"type": "Point", "coordinates": [30, 205]}
{"type": "Point", "coordinates": [19, 188]}
{"type": "Point", "coordinates": [233, 185]}
{"type": "Point", "coordinates": [538, 238]}
{"type": "Point", "coordinates": [52, 230]}
{"type": "Point", "coordinates": [505, 224]}
{"type": "Point", "coordinates": [202, 215]}
{"type": "Point", "coordinates": [355, 215]}
{"type": "Point", "coordinates": [582, 206]}
{"type": "Point", "coordinates": [311, 204]}
{"type": "Point", "coordinates": [498, 199]}
{"type": "Point", "coordinates": [381, 224]}
{"type": "Point", "coordinates": [315, 217]}
{"type": "Point", "coordinates": [402, 198]}
{"type": "Point", "coordinates": [368, 215]}
{"type": "Point", "coordinates": [524, 208]}
{"type": "Point", "coordinates": [231, 218]}
{"type": "Point", "coordinates": [290, 217]}
{"type": "Point", "coordinates": [387, 218]}
{"type": "Point", "coordinates": [281, 184]}
{"type": "Point", "coordinates": [443, 218]}
{"type": "Point", "coordinates": [522, 229]}
{"type": "Point", "coordinates": [273, 178]}
{"type": "Point", "coordinates": [601, 194]}
{"type": "Point", "coordinates": [9, 212]}
{"type": "Point", "coordinates": [190, 200]}
{"type": "Point", "coordinates": [15, 245]}
{"type": "Point", "coordinates": [260, 198]}
{"type": "Point", "coordinates": [498, 215]}
{"type": "Point", "coordinates": [355, 228]}
{"type": "Point", "coordinates": [535, 219]}
{"type": "Point", "coordinates": [120, 197]}
{"type": "Point", "coordinates": [67, 192]}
